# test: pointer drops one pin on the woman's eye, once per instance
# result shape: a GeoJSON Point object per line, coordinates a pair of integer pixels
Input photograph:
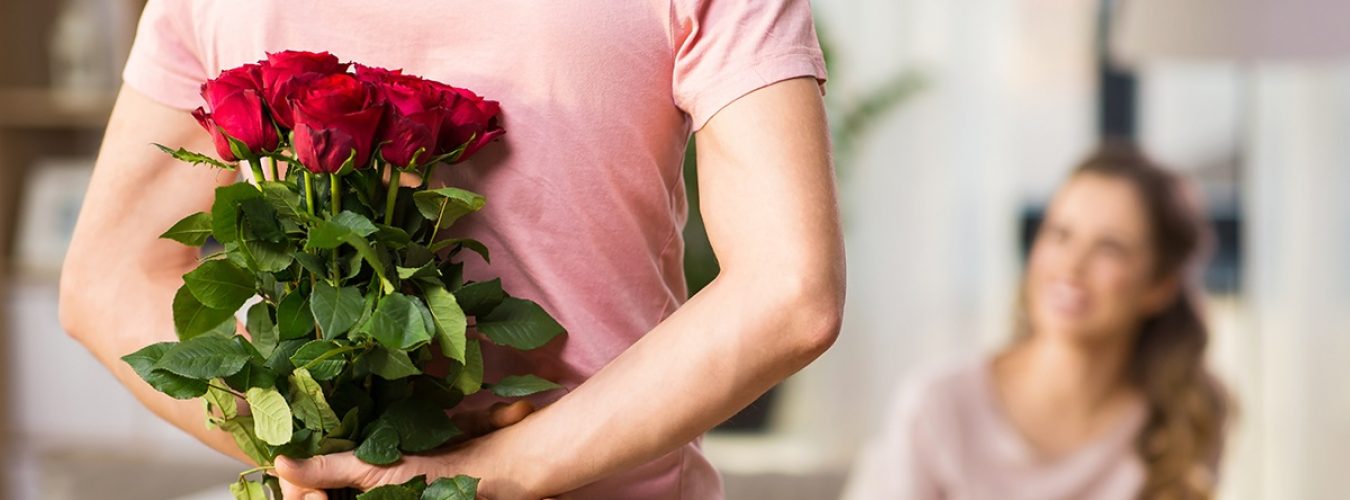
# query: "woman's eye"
{"type": "Point", "coordinates": [1112, 248]}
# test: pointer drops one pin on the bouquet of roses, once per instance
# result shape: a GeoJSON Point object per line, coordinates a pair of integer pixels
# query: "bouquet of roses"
{"type": "Point", "coordinates": [358, 290]}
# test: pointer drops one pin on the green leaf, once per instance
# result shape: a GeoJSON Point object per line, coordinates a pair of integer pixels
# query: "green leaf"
{"type": "Point", "coordinates": [449, 321]}
{"type": "Point", "coordinates": [389, 492]}
{"type": "Point", "coordinates": [223, 401]}
{"type": "Point", "coordinates": [254, 374]}
{"type": "Point", "coordinates": [294, 319]}
{"type": "Point", "coordinates": [427, 270]}
{"type": "Point", "coordinates": [447, 204]}
{"type": "Point", "coordinates": [225, 210]}
{"type": "Point", "coordinates": [280, 360]}
{"type": "Point", "coordinates": [242, 430]}
{"type": "Point", "coordinates": [309, 403]}
{"type": "Point", "coordinates": [520, 324]}
{"type": "Point", "coordinates": [247, 490]}
{"type": "Point", "coordinates": [335, 309]}
{"type": "Point", "coordinates": [312, 263]}
{"type": "Point", "coordinates": [522, 385]}
{"type": "Point", "coordinates": [260, 218]}
{"type": "Point", "coordinates": [204, 358]}
{"type": "Point", "coordinates": [268, 256]}
{"type": "Point", "coordinates": [173, 385]}
{"type": "Point", "coordinates": [390, 364]}
{"type": "Point", "coordinates": [304, 443]}
{"type": "Point", "coordinates": [397, 324]}
{"type": "Point", "coordinates": [477, 246]}
{"type": "Point", "coordinates": [184, 155]}
{"type": "Point", "coordinates": [421, 426]}
{"type": "Point", "coordinates": [452, 488]}
{"type": "Point", "coordinates": [479, 299]}
{"type": "Point", "coordinates": [392, 237]}
{"type": "Point", "coordinates": [263, 331]}
{"type": "Point", "coordinates": [271, 415]}
{"type": "Point", "coordinates": [284, 200]}
{"type": "Point", "coordinates": [330, 366]}
{"type": "Point", "coordinates": [191, 318]}
{"type": "Point", "coordinates": [469, 380]}
{"type": "Point", "coordinates": [340, 229]}
{"type": "Point", "coordinates": [219, 284]}
{"type": "Point", "coordinates": [191, 231]}
{"type": "Point", "coordinates": [381, 447]}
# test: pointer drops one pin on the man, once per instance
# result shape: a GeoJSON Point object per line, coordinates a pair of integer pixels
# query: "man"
{"type": "Point", "coordinates": [586, 205]}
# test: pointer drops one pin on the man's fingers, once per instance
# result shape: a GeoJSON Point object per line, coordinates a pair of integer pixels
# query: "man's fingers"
{"type": "Point", "coordinates": [289, 491]}
{"type": "Point", "coordinates": [512, 414]}
{"type": "Point", "coordinates": [339, 470]}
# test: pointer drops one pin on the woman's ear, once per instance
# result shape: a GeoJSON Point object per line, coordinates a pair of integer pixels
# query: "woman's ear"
{"type": "Point", "coordinates": [1160, 295]}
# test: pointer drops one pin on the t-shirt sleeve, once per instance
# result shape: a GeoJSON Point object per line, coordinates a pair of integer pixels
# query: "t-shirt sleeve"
{"type": "Point", "coordinates": [725, 49]}
{"type": "Point", "coordinates": [165, 63]}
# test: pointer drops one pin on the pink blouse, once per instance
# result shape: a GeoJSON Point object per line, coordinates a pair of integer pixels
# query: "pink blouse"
{"type": "Point", "coordinates": [947, 437]}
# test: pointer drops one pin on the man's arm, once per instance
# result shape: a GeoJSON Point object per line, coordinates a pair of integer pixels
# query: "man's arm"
{"type": "Point", "coordinates": [769, 203]}
{"type": "Point", "coordinates": [119, 278]}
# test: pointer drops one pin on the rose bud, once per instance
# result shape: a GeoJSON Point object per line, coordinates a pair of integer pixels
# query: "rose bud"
{"type": "Point", "coordinates": [285, 74]}
{"type": "Point", "coordinates": [468, 118]}
{"type": "Point", "coordinates": [237, 112]}
{"type": "Point", "coordinates": [336, 118]}
{"type": "Point", "coordinates": [413, 119]}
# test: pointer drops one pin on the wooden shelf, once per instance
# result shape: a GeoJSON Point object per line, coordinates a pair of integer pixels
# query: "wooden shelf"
{"type": "Point", "coordinates": [44, 109]}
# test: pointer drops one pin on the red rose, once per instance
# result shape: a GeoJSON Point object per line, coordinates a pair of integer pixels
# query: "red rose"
{"type": "Point", "coordinates": [336, 118]}
{"type": "Point", "coordinates": [468, 118]}
{"type": "Point", "coordinates": [413, 119]}
{"type": "Point", "coordinates": [285, 74]}
{"type": "Point", "coordinates": [237, 111]}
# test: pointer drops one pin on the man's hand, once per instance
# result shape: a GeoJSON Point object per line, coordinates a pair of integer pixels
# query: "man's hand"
{"type": "Point", "coordinates": [303, 479]}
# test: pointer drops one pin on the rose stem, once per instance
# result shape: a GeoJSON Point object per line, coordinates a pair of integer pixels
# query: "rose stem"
{"type": "Point", "coordinates": [309, 192]}
{"type": "Point", "coordinates": [255, 168]}
{"type": "Point", "coordinates": [276, 176]}
{"type": "Point", "coordinates": [392, 197]}
{"type": "Point", "coordinates": [335, 204]}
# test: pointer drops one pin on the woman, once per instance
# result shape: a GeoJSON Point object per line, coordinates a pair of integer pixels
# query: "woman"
{"type": "Point", "coordinates": [1103, 393]}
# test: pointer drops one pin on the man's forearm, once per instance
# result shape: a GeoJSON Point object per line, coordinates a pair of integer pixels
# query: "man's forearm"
{"type": "Point", "coordinates": [116, 314]}
{"type": "Point", "coordinates": [714, 356]}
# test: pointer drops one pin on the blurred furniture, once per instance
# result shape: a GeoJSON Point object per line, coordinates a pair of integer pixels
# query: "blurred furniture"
{"type": "Point", "coordinates": [1290, 60]}
{"type": "Point", "coordinates": [37, 120]}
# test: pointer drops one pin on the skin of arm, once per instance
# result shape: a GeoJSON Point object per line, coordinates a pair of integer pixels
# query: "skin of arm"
{"type": "Point", "coordinates": [119, 277]}
{"type": "Point", "coordinates": [769, 202]}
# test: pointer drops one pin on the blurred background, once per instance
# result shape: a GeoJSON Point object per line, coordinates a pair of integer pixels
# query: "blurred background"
{"type": "Point", "coordinates": [954, 121]}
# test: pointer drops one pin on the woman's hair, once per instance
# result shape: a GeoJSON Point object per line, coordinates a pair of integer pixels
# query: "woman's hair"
{"type": "Point", "coordinates": [1182, 438]}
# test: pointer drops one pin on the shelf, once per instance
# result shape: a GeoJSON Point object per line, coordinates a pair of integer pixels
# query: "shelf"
{"type": "Point", "coordinates": [45, 109]}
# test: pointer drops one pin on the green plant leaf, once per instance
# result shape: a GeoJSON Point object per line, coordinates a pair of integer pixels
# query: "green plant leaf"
{"type": "Point", "coordinates": [447, 204]}
{"type": "Point", "coordinates": [194, 158]}
{"type": "Point", "coordinates": [522, 385]}
{"type": "Point", "coordinates": [335, 309]}
{"type": "Point", "coordinates": [380, 447]}
{"type": "Point", "coordinates": [254, 374]}
{"type": "Point", "coordinates": [191, 318]}
{"type": "Point", "coordinates": [469, 379]}
{"type": "Point", "coordinates": [389, 492]}
{"type": "Point", "coordinates": [219, 284]}
{"type": "Point", "coordinates": [260, 218]}
{"type": "Point", "coordinates": [176, 386]}
{"type": "Point", "coordinates": [390, 364]}
{"type": "Point", "coordinates": [479, 299]}
{"type": "Point", "coordinates": [268, 256]}
{"type": "Point", "coordinates": [241, 429]}
{"type": "Point", "coordinates": [294, 319]}
{"type": "Point", "coordinates": [191, 231]}
{"type": "Point", "coordinates": [247, 490]}
{"type": "Point", "coordinates": [310, 405]}
{"type": "Point", "coordinates": [262, 329]}
{"type": "Point", "coordinates": [421, 426]}
{"type": "Point", "coordinates": [520, 324]}
{"type": "Point", "coordinates": [452, 488]}
{"type": "Point", "coordinates": [271, 415]}
{"type": "Point", "coordinates": [397, 324]}
{"type": "Point", "coordinates": [477, 246]}
{"type": "Point", "coordinates": [338, 230]}
{"type": "Point", "coordinates": [284, 200]}
{"type": "Point", "coordinates": [312, 263]}
{"type": "Point", "coordinates": [331, 365]}
{"type": "Point", "coordinates": [223, 401]}
{"type": "Point", "coordinates": [225, 210]}
{"type": "Point", "coordinates": [204, 358]}
{"type": "Point", "coordinates": [450, 321]}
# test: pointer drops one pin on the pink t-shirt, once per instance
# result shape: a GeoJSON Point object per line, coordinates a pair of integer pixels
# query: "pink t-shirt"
{"type": "Point", "coordinates": [585, 196]}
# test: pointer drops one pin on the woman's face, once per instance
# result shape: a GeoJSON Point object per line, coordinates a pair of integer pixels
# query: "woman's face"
{"type": "Point", "coordinates": [1090, 277]}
